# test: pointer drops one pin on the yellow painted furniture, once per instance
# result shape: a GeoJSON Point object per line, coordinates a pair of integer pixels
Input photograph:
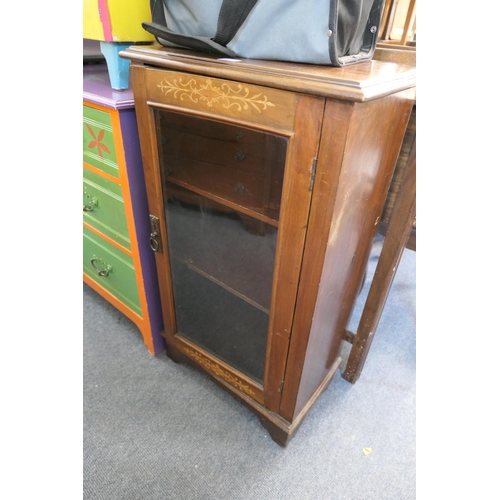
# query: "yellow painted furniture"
{"type": "Point", "coordinates": [117, 25]}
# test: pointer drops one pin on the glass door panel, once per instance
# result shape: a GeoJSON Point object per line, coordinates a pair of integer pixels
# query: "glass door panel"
{"type": "Point", "coordinates": [222, 217]}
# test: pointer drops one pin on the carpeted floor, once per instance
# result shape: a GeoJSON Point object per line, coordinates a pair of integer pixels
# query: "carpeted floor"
{"type": "Point", "coordinates": [157, 430]}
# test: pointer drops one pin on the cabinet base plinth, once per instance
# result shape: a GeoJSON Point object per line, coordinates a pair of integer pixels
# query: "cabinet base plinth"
{"type": "Point", "coordinates": [280, 430]}
{"type": "Point", "coordinates": [176, 356]}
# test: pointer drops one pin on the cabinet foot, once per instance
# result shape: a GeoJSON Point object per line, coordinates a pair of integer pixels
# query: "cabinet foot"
{"type": "Point", "coordinates": [175, 356]}
{"type": "Point", "coordinates": [278, 434]}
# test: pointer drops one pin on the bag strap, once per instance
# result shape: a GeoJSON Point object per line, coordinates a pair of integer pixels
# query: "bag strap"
{"type": "Point", "coordinates": [232, 15]}
{"type": "Point", "coordinates": [157, 12]}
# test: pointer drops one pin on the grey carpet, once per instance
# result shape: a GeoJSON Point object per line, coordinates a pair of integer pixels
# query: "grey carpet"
{"type": "Point", "coordinates": [157, 430]}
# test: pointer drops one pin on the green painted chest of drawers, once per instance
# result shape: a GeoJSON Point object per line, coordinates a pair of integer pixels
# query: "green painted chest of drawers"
{"type": "Point", "coordinates": [117, 260]}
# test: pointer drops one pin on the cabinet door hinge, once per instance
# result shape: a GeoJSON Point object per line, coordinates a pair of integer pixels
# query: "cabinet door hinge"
{"type": "Point", "coordinates": [313, 173]}
{"type": "Point", "coordinates": [154, 238]}
{"type": "Point", "coordinates": [280, 390]}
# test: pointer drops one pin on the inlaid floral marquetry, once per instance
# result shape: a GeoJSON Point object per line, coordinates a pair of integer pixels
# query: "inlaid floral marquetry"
{"type": "Point", "coordinates": [236, 96]}
{"type": "Point", "coordinates": [219, 371]}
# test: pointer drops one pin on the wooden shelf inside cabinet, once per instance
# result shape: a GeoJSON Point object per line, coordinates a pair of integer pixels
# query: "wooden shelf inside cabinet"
{"type": "Point", "coordinates": [268, 180]}
{"type": "Point", "coordinates": [118, 262]}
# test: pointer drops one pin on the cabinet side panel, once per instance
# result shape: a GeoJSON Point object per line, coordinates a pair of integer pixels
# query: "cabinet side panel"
{"type": "Point", "coordinates": [137, 188]}
{"type": "Point", "coordinates": [373, 142]}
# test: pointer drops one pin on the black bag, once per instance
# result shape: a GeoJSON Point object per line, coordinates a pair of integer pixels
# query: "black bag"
{"type": "Point", "coordinates": [329, 32]}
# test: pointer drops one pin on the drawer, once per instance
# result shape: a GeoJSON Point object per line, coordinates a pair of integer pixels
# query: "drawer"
{"type": "Point", "coordinates": [98, 141]}
{"type": "Point", "coordinates": [112, 269]}
{"type": "Point", "coordinates": [103, 207]}
{"type": "Point", "coordinates": [201, 140]}
{"type": "Point", "coordinates": [226, 161]}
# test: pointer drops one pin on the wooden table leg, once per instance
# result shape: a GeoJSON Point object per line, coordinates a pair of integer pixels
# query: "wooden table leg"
{"type": "Point", "coordinates": [397, 235]}
{"type": "Point", "coordinates": [118, 68]}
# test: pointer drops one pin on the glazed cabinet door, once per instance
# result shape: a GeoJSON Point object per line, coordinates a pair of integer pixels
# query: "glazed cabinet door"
{"type": "Point", "coordinates": [229, 171]}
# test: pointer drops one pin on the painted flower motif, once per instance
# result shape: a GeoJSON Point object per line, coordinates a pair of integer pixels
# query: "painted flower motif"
{"type": "Point", "coordinates": [96, 143]}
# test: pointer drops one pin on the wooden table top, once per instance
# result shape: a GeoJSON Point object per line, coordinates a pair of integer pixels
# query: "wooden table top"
{"type": "Point", "coordinates": [97, 88]}
{"type": "Point", "coordinates": [359, 82]}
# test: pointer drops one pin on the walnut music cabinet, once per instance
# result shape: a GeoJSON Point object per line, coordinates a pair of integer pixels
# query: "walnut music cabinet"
{"type": "Point", "coordinates": [265, 184]}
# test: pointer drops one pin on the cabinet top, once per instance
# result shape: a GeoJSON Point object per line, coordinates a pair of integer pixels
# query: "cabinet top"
{"type": "Point", "coordinates": [97, 88]}
{"type": "Point", "coordinates": [358, 82]}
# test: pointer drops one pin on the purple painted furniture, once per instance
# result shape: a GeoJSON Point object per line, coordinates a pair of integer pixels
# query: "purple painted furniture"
{"type": "Point", "coordinates": [118, 262]}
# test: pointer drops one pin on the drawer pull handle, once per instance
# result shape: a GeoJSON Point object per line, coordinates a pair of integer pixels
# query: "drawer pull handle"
{"type": "Point", "coordinates": [240, 155]}
{"type": "Point", "coordinates": [90, 202]}
{"type": "Point", "coordinates": [101, 272]}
